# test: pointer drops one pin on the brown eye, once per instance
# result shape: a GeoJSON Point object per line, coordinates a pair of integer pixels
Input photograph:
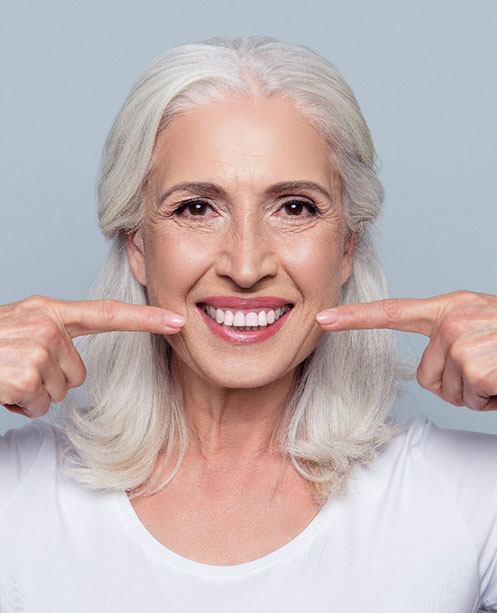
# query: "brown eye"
{"type": "Point", "coordinates": [294, 207]}
{"type": "Point", "coordinates": [195, 207]}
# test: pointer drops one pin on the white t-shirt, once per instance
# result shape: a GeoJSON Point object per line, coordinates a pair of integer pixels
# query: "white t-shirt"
{"type": "Point", "coordinates": [416, 533]}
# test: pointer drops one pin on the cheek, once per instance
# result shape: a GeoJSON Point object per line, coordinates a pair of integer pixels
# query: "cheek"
{"type": "Point", "coordinates": [316, 267]}
{"type": "Point", "coordinates": [174, 263]}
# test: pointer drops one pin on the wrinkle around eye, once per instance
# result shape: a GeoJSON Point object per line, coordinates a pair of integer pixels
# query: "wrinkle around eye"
{"type": "Point", "coordinates": [310, 213]}
{"type": "Point", "coordinates": [309, 209]}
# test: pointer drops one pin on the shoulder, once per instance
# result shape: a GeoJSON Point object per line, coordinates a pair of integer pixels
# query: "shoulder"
{"type": "Point", "coordinates": [457, 456]}
{"type": "Point", "coordinates": [23, 450]}
{"type": "Point", "coordinates": [464, 464]}
{"type": "Point", "coordinates": [20, 445]}
{"type": "Point", "coordinates": [438, 485]}
{"type": "Point", "coordinates": [460, 464]}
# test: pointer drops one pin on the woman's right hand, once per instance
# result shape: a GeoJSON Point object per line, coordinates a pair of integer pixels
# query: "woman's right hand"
{"type": "Point", "coordinates": [38, 361]}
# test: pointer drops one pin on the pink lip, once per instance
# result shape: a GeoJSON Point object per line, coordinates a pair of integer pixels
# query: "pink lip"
{"type": "Point", "coordinates": [240, 337]}
{"type": "Point", "coordinates": [234, 302]}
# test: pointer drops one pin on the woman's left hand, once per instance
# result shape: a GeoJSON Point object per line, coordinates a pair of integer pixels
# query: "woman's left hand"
{"type": "Point", "coordinates": [460, 362]}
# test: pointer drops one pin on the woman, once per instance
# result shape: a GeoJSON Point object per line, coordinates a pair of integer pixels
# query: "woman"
{"type": "Point", "coordinates": [240, 458]}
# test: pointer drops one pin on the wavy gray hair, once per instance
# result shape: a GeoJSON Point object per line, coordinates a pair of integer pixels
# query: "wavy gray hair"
{"type": "Point", "coordinates": [339, 412]}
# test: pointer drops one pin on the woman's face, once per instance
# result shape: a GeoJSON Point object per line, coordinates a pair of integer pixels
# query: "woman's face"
{"type": "Point", "coordinates": [246, 241]}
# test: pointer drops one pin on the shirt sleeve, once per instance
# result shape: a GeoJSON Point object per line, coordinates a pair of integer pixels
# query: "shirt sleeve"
{"type": "Point", "coordinates": [19, 449]}
{"type": "Point", "coordinates": [466, 465]}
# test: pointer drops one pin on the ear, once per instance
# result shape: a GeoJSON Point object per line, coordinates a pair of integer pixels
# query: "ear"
{"type": "Point", "coordinates": [348, 255]}
{"type": "Point", "coordinates": [136, 256]}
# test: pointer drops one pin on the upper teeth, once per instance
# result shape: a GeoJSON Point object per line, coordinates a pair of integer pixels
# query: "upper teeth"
{"type": "Point", "coordinates": [257, 317]}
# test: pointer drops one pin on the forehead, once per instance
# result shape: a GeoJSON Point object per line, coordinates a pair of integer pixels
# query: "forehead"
{"type": "Point", "coordinates": [242, 141]}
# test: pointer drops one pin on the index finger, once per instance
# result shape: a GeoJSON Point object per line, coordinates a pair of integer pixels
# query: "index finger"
{"type": "Point", "coordinates": [406, 314]}
{"type": "Point", "coordinates": [81, 317]}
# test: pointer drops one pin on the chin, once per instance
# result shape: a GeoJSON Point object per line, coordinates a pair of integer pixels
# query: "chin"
{"type": "Point", "coordinates": [242, 378]}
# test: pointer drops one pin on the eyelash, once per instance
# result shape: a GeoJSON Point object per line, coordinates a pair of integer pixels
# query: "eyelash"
{"type": "Point", "coordinates": [177, 211]}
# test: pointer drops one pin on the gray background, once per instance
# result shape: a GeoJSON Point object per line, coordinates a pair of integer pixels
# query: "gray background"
{"type": "Point", "coordinates": [424, 74]}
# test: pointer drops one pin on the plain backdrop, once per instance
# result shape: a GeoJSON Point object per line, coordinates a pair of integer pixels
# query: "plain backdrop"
{"type": "Point", "coordinates": [424, 74]}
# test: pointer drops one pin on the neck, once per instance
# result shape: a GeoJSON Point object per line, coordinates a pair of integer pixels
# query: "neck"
{"type": "Point", "coordinates": [239, 426]}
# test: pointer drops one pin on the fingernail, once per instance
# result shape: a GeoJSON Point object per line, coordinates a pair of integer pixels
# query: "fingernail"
{"type": "Point", "coordinates": [176, 321]}
{"type": "Point", "coordinates": [327, 317]}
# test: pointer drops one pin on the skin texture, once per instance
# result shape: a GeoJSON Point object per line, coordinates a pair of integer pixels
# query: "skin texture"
{"type": "Point", "coordinates": [246, 245]}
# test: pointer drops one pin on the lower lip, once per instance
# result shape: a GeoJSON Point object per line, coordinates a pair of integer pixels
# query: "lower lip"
{"type": "Point", "coordinates": [242, 337]}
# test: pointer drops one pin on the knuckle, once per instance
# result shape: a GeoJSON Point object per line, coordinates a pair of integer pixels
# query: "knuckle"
{"type": "Point", "coordinates": [30, 382]}
{"type": "Point", "coordinates": [421, 377]}
{"type": "Point", "coordinates": [461, 293]}
{"type": "Point", "coordinates": [39, 355]}
{"type": "Point", "coordinates": [80, 377]}
{"type": "Point", "coordinates": [35, 301]}
{"type": "Point", "coordinates": [421, 371]}
{"type": "Point", "coordinates": [451, 399]}
{"type": "Point", "coordinates": [76, 373]}
{"type": "Point", "coordinates": [469, 295]}
{"type": "Point", "coordinates": [461, 296]}
{"type": "Point", "coordinates": [453, 396]}
{"type": "Point", "coordinates": [448, 398]}
{"type": "Point", "coordinates": [108, 311]}
{"type": "Point", "coordinates": [458, 352]}
{"type": "Point", "coordinates": [467, 298]}
{"type": "Point", "coordinates": [476, 377]}
{"type": "Point", "coordinates": [49, 332]}
{"type": "Point", "coordinates": [470, 401]}
{"type": "Point", "coordinates": [451, 327]}
{"type": "Point", "coordinates": [59, 394]}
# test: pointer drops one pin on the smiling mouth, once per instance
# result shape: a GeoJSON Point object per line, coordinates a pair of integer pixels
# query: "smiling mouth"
{"type": "Point", "coordinates": [246, 319]}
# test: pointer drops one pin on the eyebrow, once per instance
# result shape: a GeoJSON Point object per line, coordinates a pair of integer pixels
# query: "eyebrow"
{"type": "Point", "coordinates": [212, 189]}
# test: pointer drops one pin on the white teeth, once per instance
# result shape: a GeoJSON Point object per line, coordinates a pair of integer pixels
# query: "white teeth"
{"type": "Point", "coordinates": [239, 319]}
{"type": "Point", "coordinates": [249, 320]}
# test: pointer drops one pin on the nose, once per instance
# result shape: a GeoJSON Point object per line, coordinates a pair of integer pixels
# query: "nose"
{"type": "Point", "coordinates": [247, 254]}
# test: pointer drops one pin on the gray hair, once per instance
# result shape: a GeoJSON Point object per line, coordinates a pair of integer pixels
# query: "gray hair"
{"type": "Point", "coordinates": [339, 413]}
